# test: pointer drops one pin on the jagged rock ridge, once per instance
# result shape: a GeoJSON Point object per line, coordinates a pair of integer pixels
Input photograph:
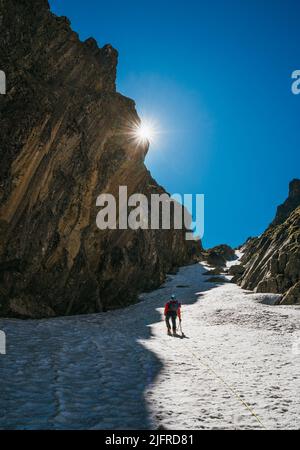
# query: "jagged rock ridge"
{"type": "Point", "coordinates": [291, 203]}
{"type": "Point", "coordinates": [62, 144]}
{"type": "Point", "coordinates": [272, 261]}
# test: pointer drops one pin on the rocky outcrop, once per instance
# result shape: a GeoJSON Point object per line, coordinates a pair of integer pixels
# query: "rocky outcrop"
{"type": "Point", "coordinates": [272, 261]}
{"type": "Point", "coordinates": [219, 280]}
{"type": "Point", "coordinates": [237, 270]}
{"type": "Point", "coordinates": [64, 140]}
{"type": "Point", "coordinates": [219, 255]}
{"type": "Point", "coordinates": [291, 203]}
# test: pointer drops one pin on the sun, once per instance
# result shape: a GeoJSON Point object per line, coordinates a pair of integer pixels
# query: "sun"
{"type": "Point", "coordinates": [144, 132]}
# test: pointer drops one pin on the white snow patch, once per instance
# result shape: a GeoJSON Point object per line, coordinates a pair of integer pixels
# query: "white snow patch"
{"type": "Point", "coordinates": [120, 370]}
{"type": "Point", "coordinates": [236, 261]}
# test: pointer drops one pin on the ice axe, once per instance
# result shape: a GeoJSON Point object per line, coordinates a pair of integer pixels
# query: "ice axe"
{"type": "Point", "coordinates": [180, 328]}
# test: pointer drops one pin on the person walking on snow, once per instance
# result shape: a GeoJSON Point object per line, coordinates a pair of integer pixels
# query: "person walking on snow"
{"type": "Point", "coordinates": [172, 311]}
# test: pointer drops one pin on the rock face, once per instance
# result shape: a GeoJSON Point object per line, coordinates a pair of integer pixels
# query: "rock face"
{"type": "Point", "coordinates": [272, 261]}
{"type": "Point", "coordinates": [219, 255]}
{"type": "Point", "coordinates": [291, 203]}
{"type": "Point", "coordinates": [63, 142]}
{"type": "Point", "coordinates": [236, 270]}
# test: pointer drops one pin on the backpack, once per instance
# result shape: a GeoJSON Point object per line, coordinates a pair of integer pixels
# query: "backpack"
{"type": "Point", "coordinates": [173, 305]}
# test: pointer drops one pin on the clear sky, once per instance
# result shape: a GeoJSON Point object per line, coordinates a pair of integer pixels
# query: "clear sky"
{"type": "Point", "coordinates": [216, 77]}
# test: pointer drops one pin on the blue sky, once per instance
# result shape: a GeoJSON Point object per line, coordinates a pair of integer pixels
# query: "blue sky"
{"type": "Point", "coordinates": [216, 77]}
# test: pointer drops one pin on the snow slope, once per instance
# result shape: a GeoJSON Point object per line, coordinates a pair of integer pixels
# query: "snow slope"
{"type": "Point", "coordinates": [120, 370]}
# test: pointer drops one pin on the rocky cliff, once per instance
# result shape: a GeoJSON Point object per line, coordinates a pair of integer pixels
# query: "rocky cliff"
{"type": "Point", "coordinates": [272, 261]}
{"type": "Point", "coordinates": [219, 255]}
{"type": "Point", "coordinates": [63, 143]}
{"type": "Point", "coordinates": [291, 203]}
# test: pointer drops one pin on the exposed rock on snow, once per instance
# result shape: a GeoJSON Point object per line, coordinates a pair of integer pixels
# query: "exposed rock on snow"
{"type": "Point", "coordinates": [217, 280]}
{"type": "Point", "coordinates": [236, 270]}
{"type": "Point", "coordinates": [217, 271]}
{"type": "Point", "coordinates": [293, 295]}
{"type": "Point", "coordinates": [219, 255]}
{"type": "Point", "coordinates": [266, 299]}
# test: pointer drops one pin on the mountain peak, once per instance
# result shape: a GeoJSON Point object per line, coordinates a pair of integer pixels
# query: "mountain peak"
{"type": "Point", "coordinates": [291, 203]}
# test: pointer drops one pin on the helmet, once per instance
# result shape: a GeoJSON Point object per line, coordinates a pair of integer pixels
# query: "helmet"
{"type": "Point", "coordinates": [173, 296]}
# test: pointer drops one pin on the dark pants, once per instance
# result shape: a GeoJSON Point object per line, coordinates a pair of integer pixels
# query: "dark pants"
{"type": "Point", "coordinates": [171, 315]}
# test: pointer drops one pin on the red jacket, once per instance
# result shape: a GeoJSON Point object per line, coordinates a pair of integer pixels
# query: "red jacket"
{"type": "Point", "coordinates": [167, 307]}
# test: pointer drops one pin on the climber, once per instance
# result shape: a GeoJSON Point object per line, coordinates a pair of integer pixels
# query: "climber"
{"type": "Point", "coordinates": [172, 311]}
